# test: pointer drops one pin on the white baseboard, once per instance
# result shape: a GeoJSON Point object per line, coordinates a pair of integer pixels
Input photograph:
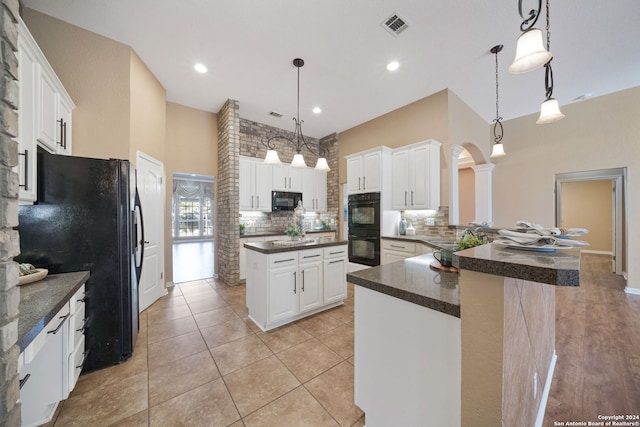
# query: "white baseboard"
{"type": "Point", "coordinates": [632, 291]}
{"type": "Point", "coordinates": [589, 251]}
{"type": "Point", "coordinates": [545, 394]}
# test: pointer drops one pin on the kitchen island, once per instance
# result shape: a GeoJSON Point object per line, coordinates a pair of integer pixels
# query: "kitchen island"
{"type": "Point", "coordinates": [289, 280]}
{"type": "Point", "coordinates": [474, 348]}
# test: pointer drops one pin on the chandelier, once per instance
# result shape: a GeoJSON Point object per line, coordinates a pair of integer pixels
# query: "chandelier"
{"type": "Point", "coordinates": [297, 141]}
{"type": "Point", "coordinates": [498, 148]}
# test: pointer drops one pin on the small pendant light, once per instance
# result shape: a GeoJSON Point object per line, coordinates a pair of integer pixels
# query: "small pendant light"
{"type": "Point", "coordinates": [550, 109]}
{"type": "Point", "coordinates": [498, 148]}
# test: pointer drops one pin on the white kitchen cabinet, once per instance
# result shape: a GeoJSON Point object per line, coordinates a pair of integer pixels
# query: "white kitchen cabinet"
{"type": "Point", "coordinates": [44, 116]}
{"type": "Point", "coordinates": [42, 377]}
{"type": "Point", "coordinates": [243, 253]}
{"type": "Point", "coordinates": [287, 178]}
{"type": "Point", "coordinates": [335, 274]}
{"type": "Point", "coordinates": [286, 286]}
{"type": "Point", "coordinates": [76, 354]}
{"type": "Point", "coordinates": [366, 169]}
{"type": "Point", "coordinates": [416, 176]}
{"type": "Point", "coordinates": [314, 190]}
{"type": "Point", "coordinates": [396, 250]}
{"type": "Point", "coordinates": [27, 147]}
{"type": "Point", "coordinates": [310, 276]}
{"type": "Point", "coordinates": [254, 185]}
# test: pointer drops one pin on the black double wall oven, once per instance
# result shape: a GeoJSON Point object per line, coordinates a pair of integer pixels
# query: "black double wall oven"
{"type": "Point", "coordinates": [364, 228]}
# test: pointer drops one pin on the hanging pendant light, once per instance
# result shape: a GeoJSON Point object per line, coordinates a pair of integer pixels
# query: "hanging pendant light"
{"type": "Point", "coordinates": [298, 140]}
{"type": "Point", "coordinates": [550, 108]}
{"type": "Point", "coordinates": [530, 51]}
{"type": "Point", "coordinates": [498, 148]}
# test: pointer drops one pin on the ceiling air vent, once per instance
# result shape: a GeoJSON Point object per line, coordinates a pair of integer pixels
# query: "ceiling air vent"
{"type": "Point", "coordinates": [395, 24]}
{"type": "Point", "coordinates": [274, 114]}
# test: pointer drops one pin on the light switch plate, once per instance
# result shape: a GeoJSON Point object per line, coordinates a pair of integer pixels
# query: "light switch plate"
{"type": "Point", "coordinates": [430, 221]}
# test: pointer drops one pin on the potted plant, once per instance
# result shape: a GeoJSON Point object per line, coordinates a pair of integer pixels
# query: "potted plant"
{"type": "Point", "coordinates": [293, 231]}
{"type": "Point", "coordinates": [241, 229]}
{"type": "Point", "coordinates": [470, 239]}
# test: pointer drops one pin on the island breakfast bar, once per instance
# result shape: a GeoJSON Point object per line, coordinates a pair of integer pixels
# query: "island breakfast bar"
{"type": "Point", "coordinates": [467, 349]}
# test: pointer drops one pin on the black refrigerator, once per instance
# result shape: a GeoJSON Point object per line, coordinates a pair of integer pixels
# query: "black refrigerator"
{"type": "Point", "coordinates": [86, 218]}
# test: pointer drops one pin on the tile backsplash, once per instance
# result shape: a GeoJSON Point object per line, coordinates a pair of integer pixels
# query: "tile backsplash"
{"type": "Point", "coordinates": [276, 221]}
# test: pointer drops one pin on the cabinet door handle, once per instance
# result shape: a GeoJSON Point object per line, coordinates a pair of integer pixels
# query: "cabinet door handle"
{"type": "Point", "coordinates": [411, 197]}
{"type": "Point", "coordinates": [397, 246]}
{"type": "Point", "coordinates": [302, 280]}
{"type": "Point", "coordinates": [61, 130]}
{"type": "Point", "coordinates": [289, 182]}
{"type": "Point", "coordinates": [333, 262]}
{"type": "Point", "coordinates": [84, 354]}
{"type": "Point", "coordinates": [283, 260]}
{"type": "Point", "coordinates": [84, 325]}
{"type": "Point", "coordinates": [24, 380]}
{"type": "Point", "coordinates": [83, 299]}
{"type": "Point", "coordinates": [285, 182]}
{"type": "Point", "coordinates": [335, 253]}
{"type": "Point", "coordinates": [311, 256]}
{"type": "Point", "coordinates": [294, 282]}
{"type": "Point", "coordinates": [364, 182]}
{"type": "Point", "coordinates": [258, 202]}
{"type": "Point", "coordinates": [55, 331]}
{"type": "Point", "coordinates": [405, 198]}
{"type": "Point", "coordinates": [26, 169]}
{"type": "Point", "coordinates": [359, 184]}
{"type": "Point", "coordinates": [252, 202]}
{"type": "Point", "coordinates": [64, 140]}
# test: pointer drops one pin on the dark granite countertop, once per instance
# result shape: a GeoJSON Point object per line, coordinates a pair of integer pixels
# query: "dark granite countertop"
{"type": "Point", "coordinates": [279, 233]}
{"type": "Point", "coordinates": [561, 268]}
{"type": "Point", "coordinates": [40, 301]}
{"type": "Point", "coordinates": [434, 242]}
{"type": "Point", "coordinates": [414, 281]}
{"type": "Point", "coordinates": [270, 248]}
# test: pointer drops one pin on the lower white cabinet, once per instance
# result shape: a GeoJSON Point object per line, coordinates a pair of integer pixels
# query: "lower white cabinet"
{"type": "Point", "coordinates": [50, 366]}
{"type": "Point", "coordinates": [397, 250]}
{"type": "Point", "coordinates": [286, 286]}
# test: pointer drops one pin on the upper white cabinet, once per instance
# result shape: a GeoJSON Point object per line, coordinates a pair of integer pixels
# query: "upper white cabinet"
{"type": "Point", "coordinates": [255, 185]}
{"type": "Point", "coordinates": [314, 190]}
{"type": "Point", "coordinates": [416, 176]}
{"type": "Point", "coordinates": [44, 112]}
{"type": "Point", "coordinates": [287, 178]}
{"type": "Point", "coordinates": [365, 170]}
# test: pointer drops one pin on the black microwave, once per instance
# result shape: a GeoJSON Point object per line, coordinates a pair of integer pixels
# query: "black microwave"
{"type": "Point", "coordinates": [284, 200]}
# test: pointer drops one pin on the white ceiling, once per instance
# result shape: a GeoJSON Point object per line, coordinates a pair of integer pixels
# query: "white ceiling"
{"type": "Point", "coordinates": [248, 46]}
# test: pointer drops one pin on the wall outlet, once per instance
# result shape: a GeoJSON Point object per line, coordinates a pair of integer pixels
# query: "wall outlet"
{"type": "Point", "coordinates": [535, 385]}
{"type": "Point", "coordinates": [430, 221]}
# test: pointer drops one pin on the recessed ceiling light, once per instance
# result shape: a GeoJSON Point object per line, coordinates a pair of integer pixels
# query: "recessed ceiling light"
{"type": "Point", "coordinates": [200, 68]}
{"type": "Point", "coordinates": [393, 65]}
{"type": "Point", "coordinates": [317, 110]}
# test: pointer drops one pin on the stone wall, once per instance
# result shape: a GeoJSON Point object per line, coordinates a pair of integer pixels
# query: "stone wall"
{"type": "Point", "coordinates": [9, 243]}
{"type": "Point", "coordinates": [228, 204]}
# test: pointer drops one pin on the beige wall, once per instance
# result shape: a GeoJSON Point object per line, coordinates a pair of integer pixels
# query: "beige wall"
{"type": "Point", "coordinates": [192, 147]}
{"type": "Point", "coordinates": [600, 133]}
{"type": "Point", "coordinates": [148, 111]}
{"type": "Point", "coordinates": [589, 204]}
{"type": "Point", "coordinates": [466, 195]}
{"type": "Point", "coordinates": [95, 72]}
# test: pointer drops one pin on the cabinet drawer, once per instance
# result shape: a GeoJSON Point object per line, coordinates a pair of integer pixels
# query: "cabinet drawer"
{"type": "Point", "coordinates": [76, 325]}
{"type": "Point", "coordinates": [310, 255]}
{"type": "Point", "coordinates": [76, 361]}
{"type": "Point", "coordinates": [283, 259]}
{"type": "Point", "coordinates": [54, 327]}
{"type": "Point", "coordinates": [76, 299]}
{"type": "Point", "coordinates": [336, 252]}
{"type": "Point", "coordinates": [399, 246]}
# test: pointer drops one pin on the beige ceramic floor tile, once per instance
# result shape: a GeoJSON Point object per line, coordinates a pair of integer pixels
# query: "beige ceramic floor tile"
{"type": "Point", "coordinates": [319, 324]}
{"type": "Point", "coordinates": [141, 419]}
{"type": "Point", "coordinates": [240, 309]}
{"type": "Point", "coordinates": [173, 328]}
{"type": "Point", "coordinates": [207, 304]}
{"type": "Point", "coordinates": [340, 340]}
{"type": "Point", "coordinates": [207, 405]}
{"type": "Point", "coordinates": [344, 313]}
{"type": "Point", "coordinates": [334, 391]}
{"type": "Point", "coordinates": [260, 383]}
{"type": "Point", "coordinates": [215, 317]}
{"type": "Point", "coordinates": [169, 313]}
{"type": "Point", "coordinates": [174, 378]}
{"type": "Point", "coordinates": [239, 353]}
{"type": "Point", "coordinates": [235, 299]}
{"type": "Point", "coordinates": [294, 409]}
{"type": "Point", "coordinates": [309, 359]}
{"type": "Point", "coordinates": [106, 404]}
{"type": "Point", "coordinates": [201, 295]}
{"type": "Point", "coordinates": [166, 302]}
{"type": "Point", "coordinates": [223, 333]}
{"type": "Point", "coordinates": [175, 348]}
{"type": "Point", "coordinates": [284, 337]}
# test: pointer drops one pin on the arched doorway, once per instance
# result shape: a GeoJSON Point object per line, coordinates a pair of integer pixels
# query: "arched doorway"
{"type": "Point", "coordinates": [475, 179]}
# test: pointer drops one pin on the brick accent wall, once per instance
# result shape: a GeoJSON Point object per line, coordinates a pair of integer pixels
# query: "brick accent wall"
{"type": "Point", "coordinates": [330, 145]}
{"type": "Point", "coordinates": [9, 242]}
{"type": "Point", "coordinates": [228, 204]}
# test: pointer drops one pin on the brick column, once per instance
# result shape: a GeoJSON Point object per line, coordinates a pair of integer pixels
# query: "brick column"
{"type": "Point", "coordinates": [228, 198]}
{"type": "Point", "coordinates": [330, 144]}
{"type": "Point", "coordinates": [9, 243]}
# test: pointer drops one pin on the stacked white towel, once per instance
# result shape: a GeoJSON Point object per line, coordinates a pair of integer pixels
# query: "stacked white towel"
{"type": "Point", "coordinates": [534, 239]}
{"type": "Point", "coordinates": [553, 231]}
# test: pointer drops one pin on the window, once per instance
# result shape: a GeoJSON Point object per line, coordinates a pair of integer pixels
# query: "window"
{"type": "Point", "coordinates": [192, 216]}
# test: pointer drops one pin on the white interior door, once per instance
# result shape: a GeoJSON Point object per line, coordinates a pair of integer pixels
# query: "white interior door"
{"type": "Point", "coordinates": [150, 173]}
